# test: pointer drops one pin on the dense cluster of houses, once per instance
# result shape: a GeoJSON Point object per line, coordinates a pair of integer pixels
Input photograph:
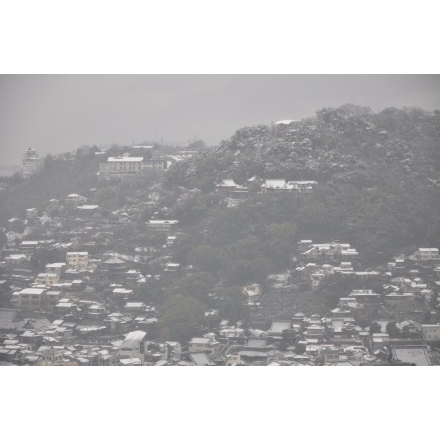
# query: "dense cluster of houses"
{"type": "Point", "coordinates": [86, 308]}
{"type": "Point", "coordinates": [78, 295]}
{"type": "Point", "coordinates": [396, 326]}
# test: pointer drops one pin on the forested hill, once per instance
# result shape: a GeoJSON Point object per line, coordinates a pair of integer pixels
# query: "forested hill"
{"type": "Point", "coordinates": [349, 144]}
{"type": "Point", "coordinates": [378, 176]}
{"type": "Point", "coordinates": [377, 173]}
{"type": "Point", "coordinates": [56, 179]}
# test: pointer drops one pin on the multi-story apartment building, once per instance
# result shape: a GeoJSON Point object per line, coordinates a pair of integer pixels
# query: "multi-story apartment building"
{"type": "Point", "coordinates": [121, 166]}
{"type": "Point", "coordinates": [425, 254]}
{"type": "Point", "coordinates": [77, 260]}
{"type": "Point", "coordinates": [48, 279]}
{"type": "Point", "coordinates": [31, 298]}
{"type": "Point", "coordinates": [125, 165]}
{"type": "Point", "coordinates": [155, 164]}
{"type": "Point", "coordinates": [57, 268]}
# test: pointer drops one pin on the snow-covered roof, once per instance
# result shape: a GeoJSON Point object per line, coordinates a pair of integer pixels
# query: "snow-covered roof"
{"type": "Point", "coordinates": [125, 159]}
{"type": "Point", "coordinates": [88, 207]}
{"type": "Point", "coordinates": [119, 290]}
{"type": "Point", "coordinates": [134, 305]}
{"type": "Point", "coordinates": [228, 183]}
{"type": "Point", "coordinates": [285, 122]}
{"type": "Point", "coordinates": [163, 222]}
{"type": "Point", "coordinates": [199, 341]}
{"type": "Point", "coordinates": [114, 260]}
{"type": "Point", "coordinates": [274, 183]}
{"type": "Point", "coordinates": [16, 257]}
{"type": "Point", "coordinates": [32, 291]}
{"type": "Point", "coordinates": [133, 339]}
{"type": "Point", "coordinates": [280, 326]}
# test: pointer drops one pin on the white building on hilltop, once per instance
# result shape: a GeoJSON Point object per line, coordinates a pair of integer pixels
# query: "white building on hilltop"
{"type": "Point", "coordinates": [31, 162]}
{"type": "Point", "coordinates": [427, 254]}
{"type": "Point", "coordinates": [126, 165]}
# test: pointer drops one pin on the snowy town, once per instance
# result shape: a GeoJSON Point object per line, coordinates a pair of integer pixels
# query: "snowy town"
{"type": "Point", "coordinates": [88, 293]}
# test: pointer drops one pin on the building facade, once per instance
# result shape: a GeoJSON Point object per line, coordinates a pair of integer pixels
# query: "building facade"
{"type": "Point", "coordinates": [31, 162]}
{"type": "Point", "coordinates": [124, 166]}
{"type": "Point", "coordinates": [77, 260]}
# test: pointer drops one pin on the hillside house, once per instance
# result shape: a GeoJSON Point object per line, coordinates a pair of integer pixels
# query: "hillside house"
{"type": "Point", "coordinates": [133, 345]}
{"type": "Point", "coordinates": [431, 332]}
{"type": "Point", "coordinates": [31, 163]}
{"type": "Point", "coordinates": [162, 225]}
{"type": "Point", "coordinates": [57, 268]}
{"type": "Point", "coordinates": [76, 200]}
{"type": "Point", "coordinates": [126, 166]}
{"type": "Point", "coordinates": [48, 279]}
{"type": "Point", "coordinates": [271, 185]}
{"type": "Point", "coordinates": [329, 250]}
{"type": "Point", "coordinates": [77, 260]}
{"type": "Point", "coordinates": [229, 186]}
{"type": "Point", "coordinates": [31, 298]}
{"type": "Point", "coordinates": [396, 298]}
{"type": "Point", "coordinates": [253, 293]}
{"type": "Point", "coordinates": [365, 296]}
{"type": "Point", "coordinates": [427, 254]}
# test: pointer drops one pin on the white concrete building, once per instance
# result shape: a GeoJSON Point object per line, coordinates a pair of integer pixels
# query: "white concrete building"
{"type": "Point", "coordinates": [31, 298]}
{"type": "Point", "coordinates": [133, 345]}
{"type": "Point", "coordinates": [77, 260]}
{"type": "Point", "coordinates": [125, 165]}
{"type": "Point", "coordinates": [76, 199]}
{"type": "Point", "coordinates": [431, 332]}
{"type": "Point", "coordinates": [48, 279]}
{"type": "Point", "coordinates": [162, 225]}
{"type": "Point", "coordinates": [425, 254]}
{"type": "Point", "coordinates": [57, 268]}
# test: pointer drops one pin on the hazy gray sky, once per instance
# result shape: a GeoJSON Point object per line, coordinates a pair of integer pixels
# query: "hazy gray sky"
{"type": "Point", "coordinates": [56, 113]}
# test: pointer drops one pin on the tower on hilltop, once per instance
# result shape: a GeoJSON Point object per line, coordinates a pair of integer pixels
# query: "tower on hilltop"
{"type": "Point", "coordinates": [31, 162]}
